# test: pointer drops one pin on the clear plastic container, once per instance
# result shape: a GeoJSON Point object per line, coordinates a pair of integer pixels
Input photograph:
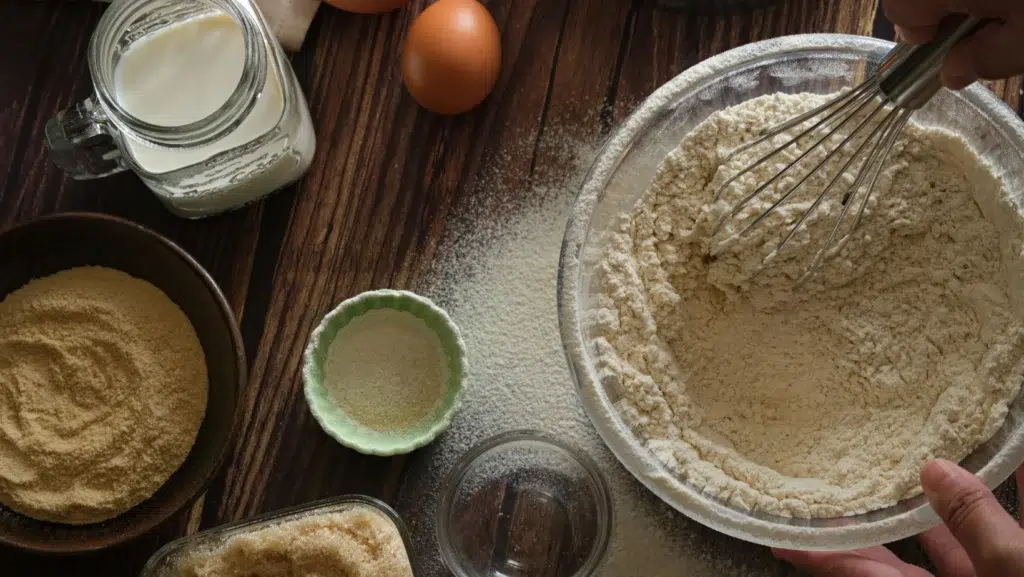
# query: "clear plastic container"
{"type": "Point", "coordinates": [166, 561]}
{"type": "Point", "coordinates": [818, 63]}
{"type": "Point", "coordinates": [523, 504]}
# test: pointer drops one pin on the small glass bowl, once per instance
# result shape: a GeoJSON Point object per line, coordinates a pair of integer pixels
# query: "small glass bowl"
{"type": "Point", "coordinates": [523, 504]}
{"type": "Point", "coordinates": [164, 563]}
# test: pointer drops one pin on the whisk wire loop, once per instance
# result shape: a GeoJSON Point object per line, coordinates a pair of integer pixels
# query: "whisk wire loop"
{"type": "Point", "coordinates": [891, 127]}
{"type": "Point", "coordinates": [785, 170]}
{"type": "Point", "coordinates": [846, 166]}
{"type": "Point", "coordinates": [719, 247]}
{"type": "Point", "coordinates": [853, 96]}
{"type": "Point", "coordinates": [903, 82]}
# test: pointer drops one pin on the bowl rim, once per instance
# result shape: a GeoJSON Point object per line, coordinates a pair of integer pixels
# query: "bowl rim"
{"type": "Point", "coordinates": [331, 417]}
{"type": "Point", "coordinates": [160, 516]}
{"type": "Point", "coordinates": [639, 461]}
{"type": "Point", "coordinates": [452, 481]}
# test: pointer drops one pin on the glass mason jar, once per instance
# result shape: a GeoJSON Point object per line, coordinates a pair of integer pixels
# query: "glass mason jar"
{"type": "Point", "coordinates": [203, 167]}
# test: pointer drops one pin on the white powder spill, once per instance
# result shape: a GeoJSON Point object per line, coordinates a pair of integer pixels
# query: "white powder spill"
{"type": "Point", "coordinates": [498, 278]}
{"type": "Point", "coordinates": [497, 281]}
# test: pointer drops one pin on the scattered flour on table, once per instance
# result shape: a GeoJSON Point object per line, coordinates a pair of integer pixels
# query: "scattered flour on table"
{"type": "Point", "coordinates": [498, 282]}
{"type": "Point", "coordinates": [826, 399]}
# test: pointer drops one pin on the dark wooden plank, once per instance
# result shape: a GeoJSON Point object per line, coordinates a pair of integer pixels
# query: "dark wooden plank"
{"type": "Point", "coordinates": [335, 207]}
{"type": "Point", "coordinates": [664, 43]}
{"type": "Point", "coordinates": [359, 186]}
{"type": "Point", "coordinates": [374, 206]}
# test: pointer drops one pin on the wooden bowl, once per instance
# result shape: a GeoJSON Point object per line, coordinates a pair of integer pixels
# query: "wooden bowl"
{"type": "Point", "coordinates": [54, 243]}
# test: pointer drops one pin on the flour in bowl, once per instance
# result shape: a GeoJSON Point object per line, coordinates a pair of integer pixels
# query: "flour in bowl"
{"type": "Point", "coordinates": [823, 399]}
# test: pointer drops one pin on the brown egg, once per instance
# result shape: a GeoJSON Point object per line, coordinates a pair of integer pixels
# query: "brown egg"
{"type": "Point", "coordinates": [452, 56]}
{"type": "Point", "coordinates": [367, 6]}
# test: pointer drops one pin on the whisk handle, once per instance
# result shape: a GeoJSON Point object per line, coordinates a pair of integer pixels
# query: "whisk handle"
{"type": "Point", "coordinates": [912, 77]}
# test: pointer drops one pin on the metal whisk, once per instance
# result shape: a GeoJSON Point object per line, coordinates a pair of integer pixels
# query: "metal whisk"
{"type": "Point", "coordinates": [905, 81]}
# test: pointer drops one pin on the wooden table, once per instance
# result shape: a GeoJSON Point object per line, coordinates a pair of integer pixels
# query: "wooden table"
{"type": "Point", "coordinates": [370, 213]}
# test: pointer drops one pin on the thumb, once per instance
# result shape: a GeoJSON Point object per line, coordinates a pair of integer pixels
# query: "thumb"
{"type": "Point", "coordinates": [990, 536]}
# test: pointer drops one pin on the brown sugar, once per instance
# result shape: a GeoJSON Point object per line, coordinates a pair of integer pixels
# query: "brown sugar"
{"type": "Point", "coordinates": [358, 542]}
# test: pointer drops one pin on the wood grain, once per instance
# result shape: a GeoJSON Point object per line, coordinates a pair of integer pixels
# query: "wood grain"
{"type": "Point", "coordinates": [373, 209]}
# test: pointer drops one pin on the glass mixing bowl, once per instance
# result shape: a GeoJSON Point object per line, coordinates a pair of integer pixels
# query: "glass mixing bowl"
{"type": "Point", "coordinates": [819, 63]}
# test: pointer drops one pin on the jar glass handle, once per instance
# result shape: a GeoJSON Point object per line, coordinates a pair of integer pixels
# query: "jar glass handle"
{"type": "Point", "coordinates": [81, 144]}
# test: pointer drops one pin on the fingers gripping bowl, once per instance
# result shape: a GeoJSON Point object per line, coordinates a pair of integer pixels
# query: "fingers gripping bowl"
{"type": "Point", "coordinates": [821, 64]}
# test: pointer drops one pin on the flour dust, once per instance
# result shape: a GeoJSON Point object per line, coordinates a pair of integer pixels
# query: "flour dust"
{"type": "Point", "coordinates": [498, 282]}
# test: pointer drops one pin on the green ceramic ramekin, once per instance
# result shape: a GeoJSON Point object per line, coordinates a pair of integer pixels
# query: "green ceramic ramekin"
{"type": "Point", "coordinates": [333, 419]}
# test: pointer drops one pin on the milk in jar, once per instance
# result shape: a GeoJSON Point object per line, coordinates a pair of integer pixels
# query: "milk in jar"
{"type": "Point", "coordinates": [199, 101]}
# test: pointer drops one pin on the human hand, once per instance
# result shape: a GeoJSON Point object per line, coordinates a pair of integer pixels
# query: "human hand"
{"type": "Point", "coordinates": [995, 51]}
{"type": "Point", "coordinates": [977, 538]}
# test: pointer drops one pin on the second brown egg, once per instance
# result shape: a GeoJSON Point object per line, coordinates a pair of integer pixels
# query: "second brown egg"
{"type": "Point", "coordinates": [452, 56]}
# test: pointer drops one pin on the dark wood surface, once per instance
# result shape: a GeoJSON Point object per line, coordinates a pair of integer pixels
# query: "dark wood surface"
{"type": "Point", "coordinates": [371, 211]}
